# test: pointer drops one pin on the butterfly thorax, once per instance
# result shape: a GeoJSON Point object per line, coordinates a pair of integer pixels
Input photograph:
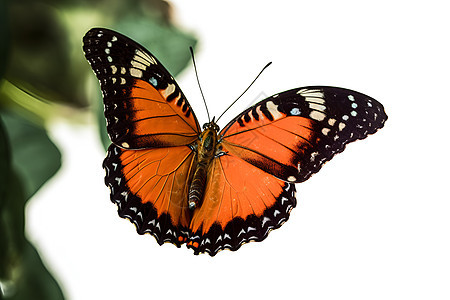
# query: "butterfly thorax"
{"type": "Point", "coordinates": [206, 150]}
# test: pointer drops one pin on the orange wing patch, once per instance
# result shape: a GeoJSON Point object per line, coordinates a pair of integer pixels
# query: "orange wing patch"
{"type": "Point", "coordinates": [242, 204]}
{"type": "Point", "coordinates": [150, 188]}
{"type": "Point", "coordinates": [161, 117]}
{"type": "Point", "coordinates": [275, 147]}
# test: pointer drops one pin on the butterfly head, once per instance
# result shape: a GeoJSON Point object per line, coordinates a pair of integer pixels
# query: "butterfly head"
{"type": "Point", "coordinates": [211, 125]}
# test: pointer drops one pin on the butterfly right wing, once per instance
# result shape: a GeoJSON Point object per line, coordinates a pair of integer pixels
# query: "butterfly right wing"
{"type": "Point", "coordinates": [279, 141]}
{"type": "Point", "coordinates": [150, 188]}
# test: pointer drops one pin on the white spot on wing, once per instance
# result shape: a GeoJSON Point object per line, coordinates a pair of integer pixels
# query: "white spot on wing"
{"type": "Point", "coordinates": [317, 115]}
{"type": "Point", "coordinates": [141, 60]}
{"type": "Point", "coordinates": [138, 65]}
{"type": "Point", "coordinates": [291, 178]}
{"type": "Point", "coordinates": [153, 81]}
{"type": "Point", "coordinates": [312, 95]}
{"type": "Point", "coordinates": [145, 56]}
{"type": "Point", "coordinates": [316, 106]}
{"type": "Point", "coordinates": [273, 109]}
{"type": "Point", "coordinates": [295, 111]}
{"type": "Point", "coordinates": [169, 90]}
{"type": "Point", "coordinates": [136, 73]}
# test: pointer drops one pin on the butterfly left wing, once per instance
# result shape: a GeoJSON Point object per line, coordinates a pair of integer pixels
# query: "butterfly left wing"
{"type": "Point", "coordinates": [151, 125]}
{"type": "Point", "coordinates": [144, 106]}
{"type": "Point", "coordinates": [292, 134]}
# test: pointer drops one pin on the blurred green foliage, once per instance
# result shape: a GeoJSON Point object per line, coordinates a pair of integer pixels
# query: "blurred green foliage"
{"type": "Point", "coordinates": [43, 76]}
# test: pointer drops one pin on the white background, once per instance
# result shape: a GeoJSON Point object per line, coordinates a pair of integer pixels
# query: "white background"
{"type": "Point", "coordinates": [374, 223]}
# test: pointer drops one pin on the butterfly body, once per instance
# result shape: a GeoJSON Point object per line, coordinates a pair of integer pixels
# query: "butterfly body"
{"type": "Point", "coordinates": [206, 150]}
{"type": "Point", "coordinates": [213, 189]}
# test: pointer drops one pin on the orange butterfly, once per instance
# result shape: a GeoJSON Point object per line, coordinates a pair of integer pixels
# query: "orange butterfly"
{"type": "Point", "coordinates": [207, 188]}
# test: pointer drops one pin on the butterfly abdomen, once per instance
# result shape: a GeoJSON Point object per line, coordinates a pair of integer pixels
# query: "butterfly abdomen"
{"type": "Point", "coordinates": [197, 187]}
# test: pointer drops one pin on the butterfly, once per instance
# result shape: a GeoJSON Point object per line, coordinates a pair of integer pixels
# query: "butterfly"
{"type": "Point", "coordinates": [208, 188]}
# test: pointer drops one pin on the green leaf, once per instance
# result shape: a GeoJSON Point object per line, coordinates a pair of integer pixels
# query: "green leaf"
{"type": "Point", "coordinates": [22, 273]}
{"type": "Point", "coordinates": [4, 163]}
{"type": "Point", "coordinates": [40, 58]}
{"type": "Point", "coordinates": [12, 225]}
{"type": "Point", "coordinates": [35, 282]}
{"type": "Point", "coordinates": [32, 160]}
{"type": "Point", "coordinates": [4, 37]}
{"type": "Point", "coordinates": [34, 156]}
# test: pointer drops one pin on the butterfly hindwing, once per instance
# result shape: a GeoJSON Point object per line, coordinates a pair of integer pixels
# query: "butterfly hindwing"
{"type": "Point", "coordinates": [242, 204]}
{"type": "Point", "coordinates": [144, 106]}
{"type": "Point", "coordinates": [292, 134]}
{"type": "Point", "coordinates": [150, 188]}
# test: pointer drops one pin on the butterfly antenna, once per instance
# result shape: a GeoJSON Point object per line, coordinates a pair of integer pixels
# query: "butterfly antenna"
{"type": "Point", "coordinates": [198, 81]}
{"type": "Point", "coordinates": [265, 67]}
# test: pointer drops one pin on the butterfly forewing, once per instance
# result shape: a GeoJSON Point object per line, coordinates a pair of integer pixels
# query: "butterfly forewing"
{"type": "Point", "coordinates": [292, 134]}
{"type": "Point", "coordinates": [144, 106]}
